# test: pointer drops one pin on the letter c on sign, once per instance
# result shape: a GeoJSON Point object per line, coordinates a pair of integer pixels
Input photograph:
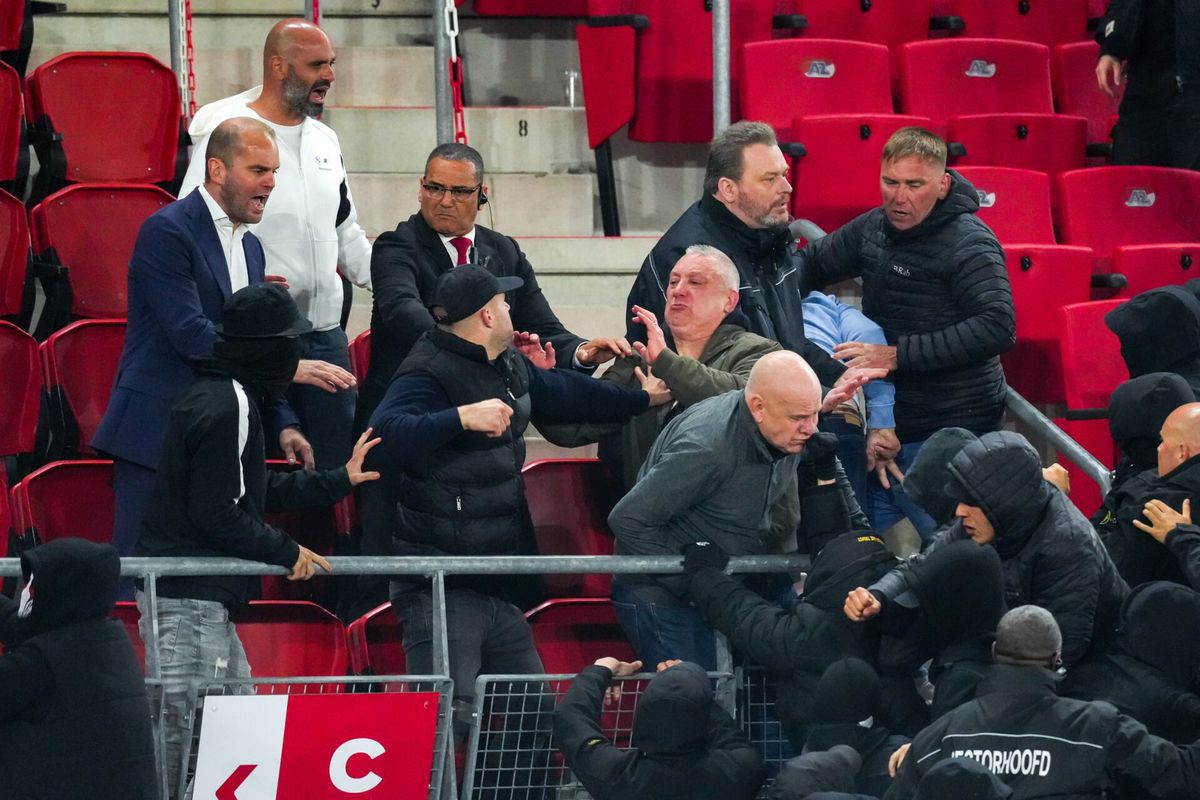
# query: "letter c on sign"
{"type": "Point", "coordinates": [341, 779]}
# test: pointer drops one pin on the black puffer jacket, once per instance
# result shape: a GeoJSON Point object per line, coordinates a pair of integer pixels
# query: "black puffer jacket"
{"type": "Point", "coordinates": [771, 288]}
{"type": "Point", "coordinates": [1051, 555]}
{"type": "Point", "coordinates": [1155, 36]}
{"type": "Point", "coordinates": [1137, 410]}
{"type": "Point", "coordinates": [941, 294]}
{"type": "Point", "coordinates": [1152, 675]}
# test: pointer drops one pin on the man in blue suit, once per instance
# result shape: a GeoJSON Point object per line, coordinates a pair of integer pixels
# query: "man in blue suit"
{"type": "Point", "coordinates": [188, 259]}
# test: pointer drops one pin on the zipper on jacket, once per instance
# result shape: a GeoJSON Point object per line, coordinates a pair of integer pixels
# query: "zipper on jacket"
{"type": "Point", "coordinates": [458, 502]}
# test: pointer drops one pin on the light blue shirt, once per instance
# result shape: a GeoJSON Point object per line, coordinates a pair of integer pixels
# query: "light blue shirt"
{"type": "Point", "coordinates": [829, 322]}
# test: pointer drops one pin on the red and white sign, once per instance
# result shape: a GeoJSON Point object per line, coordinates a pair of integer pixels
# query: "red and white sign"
{"type": "Point", "coordinates": [318, 746]}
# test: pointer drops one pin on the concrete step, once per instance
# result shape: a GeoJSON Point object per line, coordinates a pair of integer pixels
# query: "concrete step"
{"type": "Point", "coordinates": [383, 199]}
{"type": "Point", "coordinates": [523, 139]}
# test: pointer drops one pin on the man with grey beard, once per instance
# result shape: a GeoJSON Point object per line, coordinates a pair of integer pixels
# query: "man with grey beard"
{"type": "Point", "coordinates": [311, 227]}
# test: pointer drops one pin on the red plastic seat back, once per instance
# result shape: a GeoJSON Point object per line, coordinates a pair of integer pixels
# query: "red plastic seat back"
{"type": "Point", "coordinates": [68, 498]}
{"type": "Point", "coordinates": [1048, 22]}
{"type": "Point", "coordinates": [606, 67]}
{"type": "Point", "coordinates": [838, 179]}
{"type": "Point", "coordinates": [1044, 278]}
{"type": "Point", "coordinates": [92, 230]}
{"type": "Point", "coordinates": [1050, 143]}
{"type": "Point", "coordinates": [531, 8]}
{"type": "Point", "coordinates": [950, 77]}
{"type": "Point", "coordinates": [14, 254]}
{"type": "Point", "coordinates": [104, 140]}
{"type": "Point", "coordinates": [1075, 91]}
{"type": "Point", "coordinates": [789, 78]}
{"type": "Point", "coordinates": [1096, 438]}
{"type": "Point", "coordinates": [12, 17]}
{"type": "Point", "coordinates": [287, 638]}
{"type": "Point", "coordinates": [20, 390]}
{"type": "Point", "coordinates": [570, 633]}
{"type": "Point", "coordinates": [1148, 266]}
{"type": "Point", "coordinates": [360, 356]}
{"type": "Point", "coordinates": [1015, 203]}
{"type": "Point", "coordinates": [888, 22]}
{"type": "Point", "coordinates": [12, 111]}
{"type": "Point", "coordinates": [1106, 207]}
{"type": "Point", "coordinates": [569, 502]}
{"type": "Point", "coordinates": [82, 359]}
{"type": "Point", "coordinates": [375, 643]}
{"type": "Point", "coordinates": [1091, 355]}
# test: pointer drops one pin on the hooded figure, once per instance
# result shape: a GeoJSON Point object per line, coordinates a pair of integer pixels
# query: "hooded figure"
{"type": "Point", "coordinates": [74, 717]}
{"type": "Point", "coordinates": [1152, 675]}
{"type": "Point", "coordinates": [961, 779]}
{"type": "Point", "coordinates": [818, 774]}
{"type": "Point", "coordinates": [683, 744]}
{"type": "Point", "coordinates": [1160, 332]}
{"type": "Point", "coordinates": [926, 479]}
{"type": "Point", "coordinates": [1051, 556]}
{"type": "Point", "coordinates": [1137, 409]}
{"type": "Point", "coordinates": [797, 645]}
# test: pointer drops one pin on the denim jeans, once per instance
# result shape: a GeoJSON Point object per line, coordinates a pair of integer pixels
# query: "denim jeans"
{"type": "Point", "coordinates": [196, 642]}
{"type": "Point", "coordinates": [886, 507]}
{"type": "Point", "coordinates": [851, 451]}
{"type": "Point", "coordinates": [660, 626]}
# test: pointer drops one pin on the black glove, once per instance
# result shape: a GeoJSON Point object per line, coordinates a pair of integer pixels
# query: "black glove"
{"type": "Point", "coordinates": [698, 555]}
{"type": "Point", "coordinates": [822, 452]}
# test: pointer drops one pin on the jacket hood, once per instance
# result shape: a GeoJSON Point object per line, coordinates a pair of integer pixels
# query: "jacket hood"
{"type": "Point", "coordinates": [74, 580]}
{"type": "Point", "coordinates": [926, 480]}
{"type": "Point", "coordinates": [857, 558]}
{"type": "Point", "coordinates": [1001, 473]}
{"type": "Point", "coordinates": [961, 585]}
{"type": "Point", "coordinates": [210, 115]}
{"type": "Point", "coordinates": [961, 779]}
{"type": "Point", "coordinates": [1154, 619]}
{"type": "Point", "coordinates": [961, 199]}
{"type": "Point", "coordinates": [1137, 410]}
{"type": "Point", "coordinates": [1158, 329]}
{"type": "Point", "coordinates": [831, 770]}
{"type": "Point", "coordinates": [672, 717]}
{"type": "Point", "coordinates": [848, 691]}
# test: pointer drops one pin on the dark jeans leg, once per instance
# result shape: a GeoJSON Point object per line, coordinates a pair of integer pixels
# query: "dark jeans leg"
{"type": "Point", "coordinates": [132, 486]}
{"type": "Point", "coordinates": [660, 626]}
{"type": "Point", "coordinates": [852, 452]}
{"type": "Point", "coordinates": [326, 417]}
{"type": "Point", "coordinates": [886, 507]}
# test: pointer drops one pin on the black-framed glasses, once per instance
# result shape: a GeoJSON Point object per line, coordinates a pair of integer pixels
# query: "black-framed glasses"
{"type": "Point", "coordinates": [436, 191]}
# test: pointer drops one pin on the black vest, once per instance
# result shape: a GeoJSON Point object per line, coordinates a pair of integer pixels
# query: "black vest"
{"type": "Point", "coordinates": [94, 740]}
{"type": "Point", "coordinates": [468, 498]}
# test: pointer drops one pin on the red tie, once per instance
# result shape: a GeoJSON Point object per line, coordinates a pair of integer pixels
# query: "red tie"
{"type": "Point", "coordinates": [462, 244]}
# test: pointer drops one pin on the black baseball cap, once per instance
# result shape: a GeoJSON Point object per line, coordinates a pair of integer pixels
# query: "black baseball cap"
{"type": "Point", "coordinates": [261, 311]}
{"type": "Point", "coordinates": [464, 290]}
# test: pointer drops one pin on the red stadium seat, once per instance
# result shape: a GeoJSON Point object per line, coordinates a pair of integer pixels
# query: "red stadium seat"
{"type": "Point", "coordinates": [14, 152]}
{"type": "Point", "coordinates": [79, 363]}
{"type": "Point", "coordinates": [20, 390]}
{"type": "Point", "coordinates": [1044, 278]}
{"type": "Point", "coordinates": [569, 501]}
{"type": "Point", "coordinates": [952, 77]}
{"type": "Point", "coordinates": [888, 22]}
{"type": "Point", "coordinates": [14, 259]}
{"type": "Point", "coordinates": [71, 95]}
{"type": "Point", "coordinates": [360, 356]}
{"type": "Point", "coordinates": [83, 237]}
{"type": "Point", "coordinates": [1108, 207]}
{"type": "Point", "coordinates": [291, 638]}
{"type": "Point", "coordinates": [1050, 143]}
{"type": "Point", "coordinates": [66, 498]}
{"type": "Point", "coordinates": [838, 176]}
{"type": "Point", "coordinates": [531, 8]}
{"type": "Point", "coordinates": [1148, 266]}
{"type": "Point", "coordinates": [12, 16]}
{"type": "Point", "coordinates": [1015, 203]}
{"type": "Point", "coordinates": [1048, 22]}
{"type": "Point", "coordinates": [790, 78]}
{"type": "Point", "coordinates": [1095, 437]}
{"type": "Point", "coordinates": [1091, 356]}
{"type": "Point", "coordinates": [1075, 90]}
{"type": "Point", "coordinates": [315, 528]}
{"type": "Point", "coordinates": [572, 632]}
{"type": "Point", "coordinates": [375, 644]}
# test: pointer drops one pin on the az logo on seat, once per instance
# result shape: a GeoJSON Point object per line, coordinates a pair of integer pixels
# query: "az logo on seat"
{"type": "Point", "coordinates": [820, 69]}
{"type": "Point", "coordinates": [980, 68]}
{"type": "Point", "coordinates": [1140, 198]}
{"type": "Point", "coordinates": [986, 199]}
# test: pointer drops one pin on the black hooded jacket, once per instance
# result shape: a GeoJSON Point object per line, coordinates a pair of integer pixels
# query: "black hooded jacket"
{"type": "Point", "coordinates": [1151, 676]}
{"type": "Point", "coordinates": [684, 745]}
{"type": "Point", "coordinates": [1159, 331]}
{"type": "Point", "coordinates": [1137, 410]}
{"type": "Point", "coordinates": [925, 481]}
{"type": "Point", "coordinates": [1050, 554]}
{"type": "Point", "coordinates": [771, 288]}
{"type": "Point", "coordinates": [74, 717]}
{"type": "Point", "coordinates": [942, 296]}
{"type": "Point", "coordinates": [797, 645]}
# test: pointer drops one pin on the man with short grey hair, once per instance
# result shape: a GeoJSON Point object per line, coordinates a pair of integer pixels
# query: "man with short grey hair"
{"type": "Point", "coordinates": [1040, 744]}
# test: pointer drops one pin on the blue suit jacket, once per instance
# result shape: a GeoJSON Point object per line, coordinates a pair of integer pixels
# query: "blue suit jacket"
{"type": "Point", "coordinates": [178, 284]}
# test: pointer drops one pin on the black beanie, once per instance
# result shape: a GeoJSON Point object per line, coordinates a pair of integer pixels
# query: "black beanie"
{"type": "Point", "coordinates": [848, 691]}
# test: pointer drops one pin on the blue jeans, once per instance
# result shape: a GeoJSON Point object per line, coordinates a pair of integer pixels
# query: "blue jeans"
{"type": "Point", "coordinates": [886, 507]}
{"type": "Point", "coordinates": [660, 626]}
{"type": "Point", "coordinates": [852, 452]}
{"type": "Point", "coordinates": [196, 642]}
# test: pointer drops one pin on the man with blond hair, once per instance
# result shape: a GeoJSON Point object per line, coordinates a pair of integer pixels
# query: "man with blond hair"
{"type": "Point", "coordinates": [934, 279]}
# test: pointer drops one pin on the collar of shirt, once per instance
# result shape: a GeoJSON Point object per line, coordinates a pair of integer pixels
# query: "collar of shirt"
{"type": "Point", "coordinates": [231, 237]}
{"type": "Point", "coordinates": [450, 251]}
{"type": "Point", "coordinates": [219, 217]}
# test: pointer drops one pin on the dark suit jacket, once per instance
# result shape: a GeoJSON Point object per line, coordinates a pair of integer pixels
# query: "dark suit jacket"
{"type": "Point", "coordinates": [178, 284]}
{"type": "Point", "coordinates": [405, 266]}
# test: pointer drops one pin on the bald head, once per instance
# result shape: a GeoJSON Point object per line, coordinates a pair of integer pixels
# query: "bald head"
{"type": "Point", "coordinates": [1028, 635]}
{"type": "Point", "coordinates": [784, 398]}
{"type": "Point", "coordinates": [297, 71]}
{"type": "Point", "coordinates": [1180, 437]}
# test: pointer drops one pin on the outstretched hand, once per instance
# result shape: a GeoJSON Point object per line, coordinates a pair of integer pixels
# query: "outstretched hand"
{"type": "Point", "coordinates": [531, 346]}
{"type": "Point", "coordinates": [1163, 519]}
{"type": "Point", "coordinates": [849, 383]}
{"type": "Point", "coordinates": [354, 468]}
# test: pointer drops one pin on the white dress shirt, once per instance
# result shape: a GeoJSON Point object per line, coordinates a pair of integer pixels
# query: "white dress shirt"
{"type": "Point", "coordinates": [454, 251]}
{"type": "Point", "coordinates": [231, 242]}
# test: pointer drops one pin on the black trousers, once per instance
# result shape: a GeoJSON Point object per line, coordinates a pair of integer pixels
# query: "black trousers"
{"type": "Point", "coordinates": [1159, 123]}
